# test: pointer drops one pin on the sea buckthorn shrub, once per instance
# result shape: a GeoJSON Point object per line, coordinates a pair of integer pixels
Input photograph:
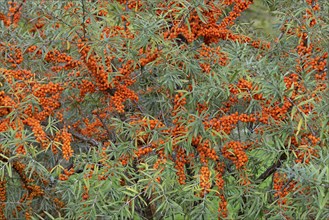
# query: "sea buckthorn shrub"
{"type": "Point", "coordinates": [149, 109]}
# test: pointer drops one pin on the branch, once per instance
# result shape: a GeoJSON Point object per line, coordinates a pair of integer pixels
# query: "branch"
{"type": "Point", "coordinates": [271, 169]}
{"type": "Point", "coordinates": [84, 138]}
{"type": "Point", "coordinates": [147, 210]}
{"type": "Point", "coordinates": [107, 129]}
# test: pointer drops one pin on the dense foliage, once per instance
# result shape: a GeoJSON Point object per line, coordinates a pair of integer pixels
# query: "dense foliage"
{"type": "Point", "coordinates": [153, 109]}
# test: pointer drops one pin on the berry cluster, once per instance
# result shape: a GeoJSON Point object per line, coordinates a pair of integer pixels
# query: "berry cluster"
{"type": "Point", "coordinates": [149, 56]}
{"type": "Point", "coordinates": [13, 15]}
{"type": "Point", "coordinates": [121, 95]}
{"type": "Point", "coordinates": [66, 174]}
{"type": "Point", "coordinates": [227, 123]}
{"type": "Point", "coordinates": [85, 87]}
{"type": "Point", "coordinates": [39, 133]}
{"type": "Point", "coordinates": [66, 148]}
{"type": "Point", "coordinates": [282, 186]}
{"type": "Point", "coordinates": [15, 57]}
{"type": "Point", "coordinates": [180, 161]}
{"type": "Point", "coordinates": [211, 56]}
{"type": "Point", "coordinates": [204, 150]}
{"type": "Point", "coordinates": [55, 56]}
{"type": "Point", "coordinates": [3, 198]}
{"type": "Point", "coordinates": [205, 182]}
{"type": "Point", "coordinates": [235, 151]}
{"type": "Point", "coordinates": [91, 60]}
{"type": "Point", "coordinates": [7, 104]}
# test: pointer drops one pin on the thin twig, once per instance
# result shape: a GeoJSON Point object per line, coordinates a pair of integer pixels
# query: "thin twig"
{"type": "Point", "coordinates": [83, 18]}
